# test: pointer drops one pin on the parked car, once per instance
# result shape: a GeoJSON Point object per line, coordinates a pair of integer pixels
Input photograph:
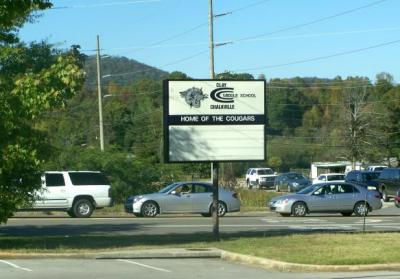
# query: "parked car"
{"type": "Point", "coordinates": [341, 197]}
{"type": "Point", "coordinates": [76, 192]}
{"type": "Point", "coordinates": [376, 168]}
{"type": "Point", "coordinates": [260, 177]}
{"type": "Point", "coordinates": [183, 197]}
{"type": "Point", "coordinates": [291, 182]}
{"type": "Point", "coordinates": [331, 177]}
{"type": "Point", "coordinates": [364, 178]}
{"type": "Point", "coordinates": [389, 183]}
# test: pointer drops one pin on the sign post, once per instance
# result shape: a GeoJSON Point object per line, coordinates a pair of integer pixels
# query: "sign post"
{"type": "Point", "coordinates": [214, 121]}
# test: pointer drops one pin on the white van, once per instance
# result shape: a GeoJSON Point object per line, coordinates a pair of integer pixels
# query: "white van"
{"type": "Point", "coordinates": [76, 192]}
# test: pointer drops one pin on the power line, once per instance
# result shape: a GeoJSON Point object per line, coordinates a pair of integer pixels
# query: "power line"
{"type": "Point", "coordinates": [311, 22]}
{"type": "Point", "coordinates": [321, 57]}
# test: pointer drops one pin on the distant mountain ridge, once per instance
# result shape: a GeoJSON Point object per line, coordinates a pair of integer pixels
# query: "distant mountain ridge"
{"type": "Point", "coordinates": [120, 70]}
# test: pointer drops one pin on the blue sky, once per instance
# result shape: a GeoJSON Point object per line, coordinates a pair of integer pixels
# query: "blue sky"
{"type": "Point", "coordinates": [264, 36]}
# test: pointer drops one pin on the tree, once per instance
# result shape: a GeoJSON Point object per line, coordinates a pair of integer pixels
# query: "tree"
{"type": "Point", "coordinates": [34, 79]}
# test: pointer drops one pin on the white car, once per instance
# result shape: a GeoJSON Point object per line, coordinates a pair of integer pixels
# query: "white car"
{"type": "Point", "coordinates": [329, 177]}
{"type": "Point", "coordinates": [260, 177]}
{"type": "Point", "coordinates": [76, 192]}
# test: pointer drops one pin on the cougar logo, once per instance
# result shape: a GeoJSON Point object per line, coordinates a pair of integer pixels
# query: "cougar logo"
{"type": "Point", "coordinates": [193, 96]}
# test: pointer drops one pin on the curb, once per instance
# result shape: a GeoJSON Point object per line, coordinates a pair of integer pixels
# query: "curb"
{"type": "Point", "coordinates": [139, 254]}
{"type": "Point", "coordinates": [294, 267]}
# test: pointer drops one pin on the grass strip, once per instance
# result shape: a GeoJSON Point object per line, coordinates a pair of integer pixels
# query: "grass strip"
{"type": "Point", "coordinates": [313, 248]}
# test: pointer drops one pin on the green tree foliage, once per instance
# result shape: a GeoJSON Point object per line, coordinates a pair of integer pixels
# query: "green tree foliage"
{"type": "Point", "coordinates": [33, 79]}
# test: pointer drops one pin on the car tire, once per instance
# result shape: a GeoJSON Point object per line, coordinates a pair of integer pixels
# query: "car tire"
{"type": "Point", "coordinates": [385, 196]}
{"type": "Point", "coordinates": [347, 214]}
{"type": "Point", "coordinates": [285, 214]}
{"type": "Point", "coordinates": [138, 215]}
{"type": "Point", "coordinates": [82, 208]}
{"type": "Point", "coordinates": [222, 209]}
{"type": "Point", "coordinates": [299, 209]}
{"type": "Point", "coordinates": [70, 213]}
{"type": "Point", "coordinates": [361, 209]}
{"type": "Point", "coordinates": [149, 209]}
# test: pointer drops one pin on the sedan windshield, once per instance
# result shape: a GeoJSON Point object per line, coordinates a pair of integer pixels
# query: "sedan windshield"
{"type": "Point", "coordinates": [308, 189]}
{"type": "Point", "coordinates": [168, 188]}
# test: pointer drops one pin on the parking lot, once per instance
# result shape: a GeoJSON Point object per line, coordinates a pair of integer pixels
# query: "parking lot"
{"type": "Point", "coordinates": [156, 268]}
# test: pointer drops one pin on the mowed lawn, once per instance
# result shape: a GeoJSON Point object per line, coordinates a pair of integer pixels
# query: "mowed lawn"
{"type": "Point", "coordinates": [321, 248]}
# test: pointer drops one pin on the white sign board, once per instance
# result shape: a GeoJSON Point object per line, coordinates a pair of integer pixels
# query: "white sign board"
{"type": "Point", "coordinates": [214, 120]}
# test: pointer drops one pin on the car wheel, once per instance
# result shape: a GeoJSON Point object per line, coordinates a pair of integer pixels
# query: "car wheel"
{"type": "Point", "coordinates": [285, 214]}
{"type": "Point", "coordinates": [138, 215]}
{"type": "Point", "coordinates": [347, 213]}
{"type": "Point", "coordinates": [221, 209]}
{"type": "Point", "coordinates": [361, 209]}
{"type": "Point", "coordinates": [82, 208]}
{"type": "Point", "coordinates": [385, 196]}
{"type": "Point", "coordinates": [299, 209]}
{"type": "Point", "coordinates": [71, 213]}
{"type": "Point", "coordinates": [149, 209]}
{"type": "Point", "coordinates": [206, 214]}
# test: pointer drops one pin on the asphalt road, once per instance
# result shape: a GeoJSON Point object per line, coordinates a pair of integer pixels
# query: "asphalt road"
{"type": "Point", "coordinates": [386, 219]}
{"type": "Point", "coordinates": [158, 268]}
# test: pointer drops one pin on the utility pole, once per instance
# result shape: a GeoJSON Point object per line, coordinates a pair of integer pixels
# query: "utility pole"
{"type": "Point", "coordinates": [214, 165]}
{"type": "Point", "coordinates": [100, 96]}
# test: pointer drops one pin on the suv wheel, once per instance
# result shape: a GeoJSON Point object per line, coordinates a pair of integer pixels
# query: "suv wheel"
{"type": "Point", "coordinates": [83, 208]}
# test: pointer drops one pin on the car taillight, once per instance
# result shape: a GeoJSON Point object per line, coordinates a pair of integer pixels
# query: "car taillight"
{"type": "Point", "coordinates": [235, 195]}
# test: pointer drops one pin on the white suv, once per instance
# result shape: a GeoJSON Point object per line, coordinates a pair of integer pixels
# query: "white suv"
{"type": "Point", "coordinates": [76, 192]}
{"type": "Point", "coordinates": [260, 177]}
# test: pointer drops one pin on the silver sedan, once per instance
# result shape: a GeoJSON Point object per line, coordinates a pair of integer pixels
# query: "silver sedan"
{"type": "Point", "coordinates": [183, 197]}
{"type": "Point", "coordinates": [344, 198]}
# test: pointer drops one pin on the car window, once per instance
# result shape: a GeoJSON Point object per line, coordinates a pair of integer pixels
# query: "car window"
{"type": "Point", "coordinates": [185, 188]}
{"type": "Point", "coordinates": [199, 188]}
{"type": "Point", "coordinates": [54, 180]}
{"type": "Point", "coordinates": [344, 189]}
{"type": "Point", "coordinates": [253, 171]}
{"type": "Point", "coordinates": [322, 177]}
{"type": "Point", "coordinates": [325, 190]}
{"type": "Point", "coordinates": [265, 171]}
{"type": "Point", "coordinates": [88, 178]}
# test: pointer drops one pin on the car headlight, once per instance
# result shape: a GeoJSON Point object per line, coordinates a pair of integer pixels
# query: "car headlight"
{"type": "Point", "coordinates": [138, 198]}
{"type": "Point", "coordinates": [295, 184]}
{"type": "Point", "coordinates": [285, 201]}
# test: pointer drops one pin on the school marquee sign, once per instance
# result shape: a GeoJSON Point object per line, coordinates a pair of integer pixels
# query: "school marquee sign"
{"type": "Point", "coordinates": [214, 120]}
